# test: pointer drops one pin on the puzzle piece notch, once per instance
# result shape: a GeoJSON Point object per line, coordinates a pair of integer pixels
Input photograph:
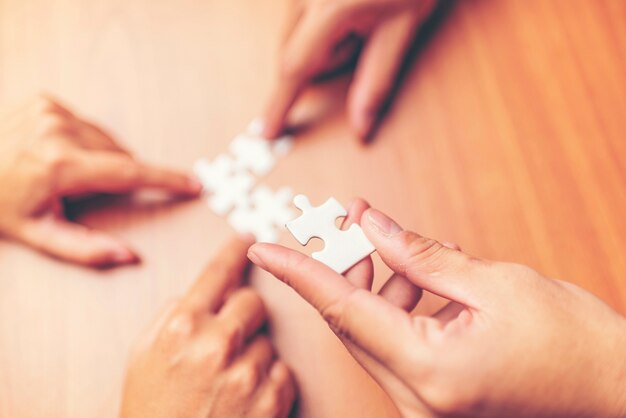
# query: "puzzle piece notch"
{"type": "Point", "coordinates": [342, 249]}
{"type": "Point", "coordinates": [263, 213]}
{"type": "Point", "coordinates": [227, 185]}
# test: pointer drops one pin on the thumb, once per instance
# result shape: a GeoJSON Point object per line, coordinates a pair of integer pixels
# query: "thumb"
{"type": "Point", "coordinates": [427, 263]}
{"type": "Point", "coordinates": [75, 243]}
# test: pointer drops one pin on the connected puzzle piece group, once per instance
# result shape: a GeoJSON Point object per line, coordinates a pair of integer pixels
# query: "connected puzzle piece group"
{"type": "Point", "coordinates": [231, 184]}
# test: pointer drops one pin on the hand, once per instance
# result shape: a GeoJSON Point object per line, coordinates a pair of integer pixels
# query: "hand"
{"type": "Point", "coordinates": [323, 37]}
{"type": "Point", "coordinates": [206, 358]}
{"type": "Point", "coordinates": [509, 343]}
{"type": "Point", "coordinates": [47, 154]}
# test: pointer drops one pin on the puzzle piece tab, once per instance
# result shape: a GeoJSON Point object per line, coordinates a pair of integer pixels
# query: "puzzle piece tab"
{"type": "Point", "coordinates": [342, 249]}
{"type": "Point", "coordinates": [228, 185]}
{"type": "Point", "coordinates": [253, 153]}
{"type": "Point", "coordinates": [257, 154]}
{"type": "Point", "coordinates": [263, 213]}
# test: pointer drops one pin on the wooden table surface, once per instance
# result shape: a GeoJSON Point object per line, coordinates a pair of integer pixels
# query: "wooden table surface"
{"type": "Point", "coordinates": [507, 137]}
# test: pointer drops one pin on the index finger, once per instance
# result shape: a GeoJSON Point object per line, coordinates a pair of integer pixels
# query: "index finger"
{"type": "Point", "coordinates": [112, 172]}
{"type": "Point", "coordinates": [304, 54]}
{"type": "Point", "coordinates": [376, 326]}
{"type": "Point", "coordinates": [224, 273]}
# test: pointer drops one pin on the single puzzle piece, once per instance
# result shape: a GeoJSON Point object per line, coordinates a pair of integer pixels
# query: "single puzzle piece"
{"type": "Point", "coordinates": [263, 213]}
{"type": "Point", "coordinates": [342, 249]}
{"type": "Point", "coordinates": [228, 186]}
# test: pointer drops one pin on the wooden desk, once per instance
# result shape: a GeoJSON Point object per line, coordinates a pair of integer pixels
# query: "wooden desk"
{"type": "Point", "coordinates": [507, 137]}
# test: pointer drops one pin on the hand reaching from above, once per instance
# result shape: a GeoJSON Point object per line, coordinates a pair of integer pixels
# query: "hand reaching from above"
{"type": "Point", "coordinates": [205, 357]}
{"type": "Point", "coordinates": [323, 36]}
{"type": "Point", "coordinates": [47, 154]}
{"type": "Point", "coordinates": [510, 343]}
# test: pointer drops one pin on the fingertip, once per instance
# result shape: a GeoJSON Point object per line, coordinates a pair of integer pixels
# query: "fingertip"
{"type": "Point", "coordinates": [280, 372]}
{"type": "Point", "coordinates": [194, 186]}
{"type": "Point", "coordinates": [124, 256]}
{"type": "Point", "coordinates": [271, 130]}
{"type": "Point", "coordinates": [382, 225]}
{"type": "Point", "coordinates": [363, 123]}
{"type": "Point", "coordinates": [255, 253]}
{"type": "Point", "coordinates": [273, 258]}
{"type": "Point", "coordinates": [362, 113]}
{"type": "Point", "coordinates": [110, 258]}
{"type": "Point", "coordinates": [355, 210]}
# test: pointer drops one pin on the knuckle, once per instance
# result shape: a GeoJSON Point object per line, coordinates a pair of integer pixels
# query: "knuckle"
{"type": "Point", "coordinates": [270, 403]}
{"type": "Point", "coordinates": [449, 399]}
{"type": "Point", "coordinates": [282, 374]}
{"type": "Point", "coordinates": [51, 124]}
{"type": "Point", "coordinates": [129, 171]}
{"type": "Point", "coordinates": [53, 159]}
{"type": "Point", "coordinates": [421, 252]}
{"type": "Point", "coordinates": [221, 346]}
{"type": "Point", "coordinates": [244, 379]}
{"type": "Point", "coordinates": [337, 311]}
{"type": "Point", "coordinates": [180, 325]}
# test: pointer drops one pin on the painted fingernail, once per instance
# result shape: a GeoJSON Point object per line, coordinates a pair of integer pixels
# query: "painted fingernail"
{"type": "Point", "coordinates": [254, 257]}
{"type": "Point", "coordinates": [383, 223]}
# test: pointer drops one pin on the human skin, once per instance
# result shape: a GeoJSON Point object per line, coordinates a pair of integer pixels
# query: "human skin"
{"type": "Point", "coordinates": [323, 34]}
{"type": "Point", "coordinates": [205, 357]}
{"type": "Point", "coordinates": [47, 154]}
{"type": "Point", "coordinates": [510, 342]}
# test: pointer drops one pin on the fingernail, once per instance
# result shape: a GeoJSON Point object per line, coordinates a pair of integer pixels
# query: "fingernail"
{"type": "Point", "coordinates": [124, 256]}
{"type": "Point", "coordinates": [383, 223]}
{"type": "Point", "coordinates": [363, 124]}
{"type": "Point", "coordinates": [254, 257]}
{"type": "Point", "coordinates": [194, 185]}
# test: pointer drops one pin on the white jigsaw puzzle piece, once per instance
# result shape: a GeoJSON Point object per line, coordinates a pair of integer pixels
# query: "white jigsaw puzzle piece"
{"type": "Point", "coordinates": [256, 127]}
{"type": "Point", "coordinates": [263, 213]}
{"type": "Point", "coordinates": [227, 184]}
{"type": "Point", "coordinates": [342, 249]}
{"type": "Point", "coordinates": [280, 146]}
{"type": "Point", "coordinates": [253, 153]}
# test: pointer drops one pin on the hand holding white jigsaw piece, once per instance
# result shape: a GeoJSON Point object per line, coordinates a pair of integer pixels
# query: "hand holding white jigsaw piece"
{"type": "Point", "coordinates": [342, 249]}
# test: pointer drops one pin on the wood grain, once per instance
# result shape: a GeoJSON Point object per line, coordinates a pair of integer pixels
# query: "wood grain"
{"type": "Point", "coordinates": [507, 137]}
